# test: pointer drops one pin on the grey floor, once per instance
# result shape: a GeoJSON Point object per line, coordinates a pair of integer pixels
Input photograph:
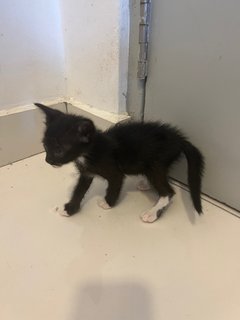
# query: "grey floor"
{"type": "Point", "coordinates": [109, 265]}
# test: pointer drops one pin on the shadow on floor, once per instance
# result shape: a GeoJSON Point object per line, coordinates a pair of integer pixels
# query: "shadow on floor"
{"type": "Point", "coordinates": [118, 301]}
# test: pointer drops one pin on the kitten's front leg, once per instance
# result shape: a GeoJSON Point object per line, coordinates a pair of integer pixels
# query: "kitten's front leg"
{"type": "Point", "coordinates": [79, 192]}
{"type": "Point", "coordinates": [113, 191]}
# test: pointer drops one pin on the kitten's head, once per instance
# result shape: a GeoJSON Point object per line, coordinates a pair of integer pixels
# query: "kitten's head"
{"type": "Point", "coordinates": [66, 136]}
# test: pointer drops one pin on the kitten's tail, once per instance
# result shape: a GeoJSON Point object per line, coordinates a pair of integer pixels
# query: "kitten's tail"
{"type": "Point", "coordinates": [195, 171]}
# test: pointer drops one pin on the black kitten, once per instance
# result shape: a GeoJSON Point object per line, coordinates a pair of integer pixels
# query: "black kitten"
{"type": "Point", "coordinates": [132, 148]}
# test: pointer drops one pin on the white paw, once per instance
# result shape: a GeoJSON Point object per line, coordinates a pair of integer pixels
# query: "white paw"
{"type": "Point", "coordinates": [143, 185]}
{"type": "Point", "coordinates": [162, 203]}
{"type": "Point", "coordinates": [103, 204]}
{"type": "Point", "coordinates": [155, 212]}
{"type": "Point", "coordinates": [149, 216]}
{"type": "Point", "coordinates": [60, 210]}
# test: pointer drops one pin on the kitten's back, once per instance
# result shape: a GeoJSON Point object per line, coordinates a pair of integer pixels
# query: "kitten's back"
{"type": "Point", "coordinates": [146, 142]}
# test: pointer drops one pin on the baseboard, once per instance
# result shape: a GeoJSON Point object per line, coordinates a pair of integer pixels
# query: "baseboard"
{"type": "Point", "coordinates": [217, 203]}
{"type": "Point", "coordinates": [21, 128]}
{"type": "Point", "coordinates": [109, 116]}
{"type": "Point", "coordinates": [102, 119]}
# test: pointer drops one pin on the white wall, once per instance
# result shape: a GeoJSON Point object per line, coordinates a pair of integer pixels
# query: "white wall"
{"type": "Point", "coordinates": [31, 52]}
{"type": "Point", "coordinates": [96, 47]}
{"type": "Point", "coordinates": [75, 49]}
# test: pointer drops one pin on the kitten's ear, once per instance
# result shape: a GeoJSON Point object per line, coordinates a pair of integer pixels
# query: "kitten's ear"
{"type": "Point", "coordinates": [86, 130]}
{"type": "Point", "coordinates": [51, 114]}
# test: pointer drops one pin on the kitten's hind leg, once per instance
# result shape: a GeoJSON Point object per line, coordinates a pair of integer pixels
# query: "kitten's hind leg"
{"type": "Point", "coordinates": [155, 212]}
{"type": "Point", "coordinates": [158, 179]}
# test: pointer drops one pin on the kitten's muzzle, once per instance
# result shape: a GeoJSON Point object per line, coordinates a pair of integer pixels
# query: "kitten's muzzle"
{"type": "Point", "coordinates": [52, 162]}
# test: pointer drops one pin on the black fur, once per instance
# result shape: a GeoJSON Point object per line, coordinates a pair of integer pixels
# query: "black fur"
{"type": "Point", "coordinates": [125, 149]}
